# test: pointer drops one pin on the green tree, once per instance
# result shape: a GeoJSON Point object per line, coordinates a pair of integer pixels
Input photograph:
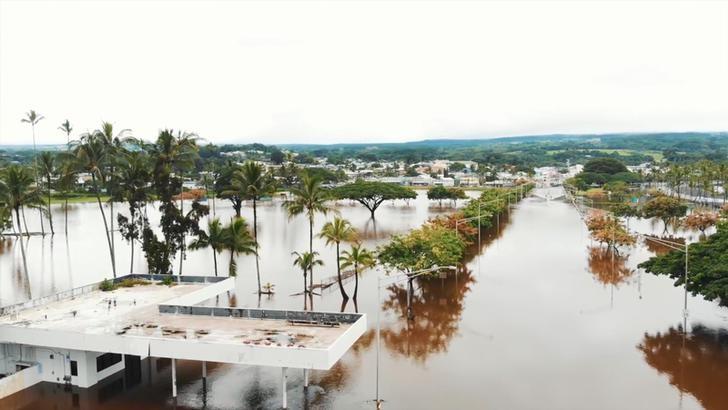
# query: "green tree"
{"type": "Point", "coordinates": [707, 262]}
{"type": "Point", "coordinates": [237, 239]}
{"type": "Point", "coordinates": [359, 258]}
{"type": "Point", "coordinates": [47, 168]}
{"type": "Point", "coordinates": [33, 118]}
{"type": "Point", "coordinates": [605, 166]}
{"type": "Point", "coordinates": [134, 177]}
{"type": "Point", "coordinates": [173, 155]}
{"type": "Point", "coordinates": [306, 261]}
{"type": "Point", "coordinates": [373, 194]}
{"type": "Point", "coordinates": [252, 183]}
{"type": "Point", "coordinates": [309, 198]}
{"type": "Point", "coordinates": [337, 231]}
{"type": "Point", "coordinates": [423, 248]}
{"type": "Point", "coordinates": [18, 190]}
{"type": "Point", "coordinates": [91, 155]}
{"type": "Point", "coordinates": [67, 128]}
{"type": "Point", "coordinates": [214, 238]}
{"type": "Point", "coordinates": [664, 208]}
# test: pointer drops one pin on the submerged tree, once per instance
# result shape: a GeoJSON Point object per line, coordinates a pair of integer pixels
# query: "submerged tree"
{"type": "Point", "coordinates": [360, 259]}
{"type": "Point", "coordinates": [236, 238]}
{"type": "Point", "coordinates": [373, 194]}
{"type": "Point", "coordinates": [340, 230]}
{"type": "Point", "coordinates": [309, 198]}
{"type": "Point", "coordinates": [306, 261]}
{"type": "Point", "coordinates": [172, 155]}
{"type": "Point", "coordinates": [134, 177]}
{"type": "Point", "coordinates": [47, 167]}
{"type": "Point", "coordinates": [33, 118]}
{"type": "Point", "coordinates": [252, 183]}
{"type": "Point", "coordinates": [214, 238]}
{"type": "Point", "coordinates": [18, 190]}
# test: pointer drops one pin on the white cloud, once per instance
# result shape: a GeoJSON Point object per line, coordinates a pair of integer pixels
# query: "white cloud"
{"type": "Point", "coordinates": [381, 71]}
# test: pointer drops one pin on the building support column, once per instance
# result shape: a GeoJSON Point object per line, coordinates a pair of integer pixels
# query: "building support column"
{"type": "Point", "coordinates": [284, 379]}
{"type": "Point", "coordinates": [305, 378]}
{"type": "Point", "coordinates": [174, 378]}
{"type": "Point", "coordinates": [204, 371]}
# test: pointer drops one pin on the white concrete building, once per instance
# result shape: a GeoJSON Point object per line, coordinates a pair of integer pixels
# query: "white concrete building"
{"type": "Point", "coordinates": [84, 335]}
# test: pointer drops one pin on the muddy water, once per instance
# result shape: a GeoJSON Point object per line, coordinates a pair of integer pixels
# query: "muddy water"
{"type": "Point", "coordinates": [538, 317]}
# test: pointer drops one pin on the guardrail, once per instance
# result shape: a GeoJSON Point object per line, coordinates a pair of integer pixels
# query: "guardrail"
{"type": "Point", "coordinates": [82, 290]}
{"type": "Point", "coordinates": [260, 313]}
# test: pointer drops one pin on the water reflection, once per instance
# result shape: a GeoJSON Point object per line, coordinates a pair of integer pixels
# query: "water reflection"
{"type": "Point", "coordinates": [660, 245]}
{"type": "Point", "coordinates": [608, 267]}
{"type": "Point", "coordinates": [437, 305]}
{"type": "Point", "coordinates": [696, 363]}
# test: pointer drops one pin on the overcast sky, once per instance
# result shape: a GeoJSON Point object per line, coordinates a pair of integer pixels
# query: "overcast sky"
{"type": "Point", "coordinates": [329, 72]}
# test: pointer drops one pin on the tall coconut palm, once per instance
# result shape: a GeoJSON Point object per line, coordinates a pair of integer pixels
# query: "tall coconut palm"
{"type": "Point", "coordinates": [214, 238]}
{"type": "Point", "coordinates": [67, 173]}
{"type": "Point", "coordinates": [91, 156]}
{"type": "Point", "coordinates": [252, 183]}
{"type": "Point", "coordinates": [134, 176]}
{"type": "Point", "coordinates": [340, 230]}
{"type": "Point", "coordinates": [33, 118]}
{"type": "Point", "coordinates": [47, 167]}
{"type": "Point", "coordinates": [237, 239]}
{"type": "Point", "coordinates": [360, 259]}
{"type": "Point", "coordinates": [17, 191]}
{"type": "Point", "coordinates": [306, 261]}
{"type": "Point", "coordinates": [67, 128]}
{"type": "Point", "coordinates": [309, 198]}
{"type": "Point", "coordinates": [114, 147]}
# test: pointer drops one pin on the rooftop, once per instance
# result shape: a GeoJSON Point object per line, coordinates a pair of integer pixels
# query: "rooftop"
{"type": "Point", "coordinates": [152, 318]}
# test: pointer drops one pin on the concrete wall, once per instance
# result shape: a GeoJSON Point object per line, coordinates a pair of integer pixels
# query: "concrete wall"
{"type": "Point", "coordinates": [20, 380]}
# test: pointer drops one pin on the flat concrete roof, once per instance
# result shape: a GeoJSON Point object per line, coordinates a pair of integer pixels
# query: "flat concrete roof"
{"type": "Point", "coordinates": [130, 319]}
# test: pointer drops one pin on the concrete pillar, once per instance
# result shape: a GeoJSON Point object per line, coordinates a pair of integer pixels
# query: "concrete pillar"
{"type": "Point", "coordinates": [174, 378]}
{"type": "Point", "coordinates": [305, 378]}
{"type": "Point", "coordinates": [284, 379]}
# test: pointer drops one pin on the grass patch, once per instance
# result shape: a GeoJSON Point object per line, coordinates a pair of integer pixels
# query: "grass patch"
{"type": "Point", "coordinates": [77, 199]}
{"type": "Point", "coordinates": [130, 283]}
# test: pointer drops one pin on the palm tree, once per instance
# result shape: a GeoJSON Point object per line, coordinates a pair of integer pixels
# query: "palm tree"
{"type": "Point", "coordinates": [306, 261]}
{"type": "Point", "coordinates": [91, 154]}
{"type": "Point", "coordinates": [309, 198]}
{"type": "Point", "coordinates": [66, 127]}
{"type": "Point", "coordinates": [47, 167]}
{"type": "Point", "coordinates": [33, 118]}
{"type": "Point", "coordinates": [66, 181]}
{"type": "Point", "coordinates": [214, 238]}
{"type": "Point", "coordinates": [251, 182]}
{"type": "Point", "coordinates": [113, 144]}
{"type": "Point", "coordinates": [237, 239]}
{"type": "Point", "coordinates": [340, 230]}
{"type": "Point", "coordinates": [18, 190]}
{"type": "Point", "coordinates": [359, 258]}
{"type": "Point", "coordinates": [133, 183]}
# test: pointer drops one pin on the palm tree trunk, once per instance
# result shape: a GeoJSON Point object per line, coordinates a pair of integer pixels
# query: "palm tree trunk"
{"type": "Point", "coordinates": [338, 274]}
{"type": "Point", "coordinates": [35, 160]}
{"type": "Point", "coordinates": [22, 246]}
{"type": "Point", "coordinates": [66, 213]}
{"type": "Point", "coordinates": [133, 227]}
{"type": "Point", "coordinates": [310, 249]}
{"type": "Point", "coordinates": [304, 286]}
{"type": "Point", "coordinates": [106, 225]}
{"type": "Point", "coordinates": [111, 231]}
{"type": "Point", "coordinates": [232, 262]}
{"type": "Point", "coordinates": [356, 281]}
{"type": "Point", "coordinates": [255, 237]}
{"type": "Point", "coordinates": [25, 223]}
{"type": "Point", "coordinates": [214, 259]}
{"type": "Point", "coordinates": [182, 248]}
{"type": "Point", "coordinates": [50, 216]}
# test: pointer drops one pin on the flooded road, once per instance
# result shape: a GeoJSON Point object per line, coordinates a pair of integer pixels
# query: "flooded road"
{"type": "Point", "coordinates": [538, 317]}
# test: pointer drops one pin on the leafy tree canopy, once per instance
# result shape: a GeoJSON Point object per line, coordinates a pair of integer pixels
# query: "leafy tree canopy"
{"type": "Point", "coordinates": [608, 166]}
{"type": "Point", "coordinates": [372, 194]}
{"type": "Point", "coordinates": [707, 266]}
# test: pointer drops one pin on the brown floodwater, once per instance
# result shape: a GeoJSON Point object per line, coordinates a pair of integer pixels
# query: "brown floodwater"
{"type": "Point", "coordinates": [538, 316]}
